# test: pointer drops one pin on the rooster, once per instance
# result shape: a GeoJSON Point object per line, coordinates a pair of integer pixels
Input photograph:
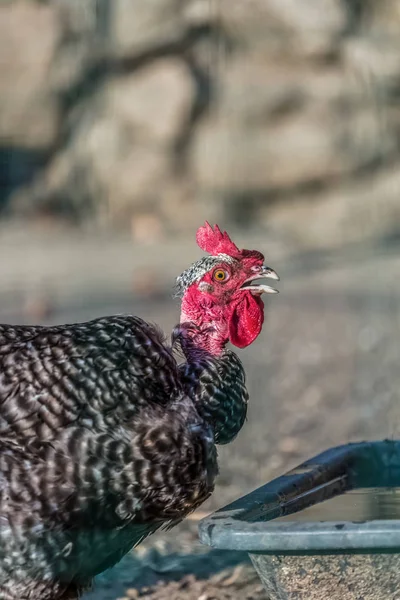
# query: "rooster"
{"type": "Point", "coordinates": [106, 435]}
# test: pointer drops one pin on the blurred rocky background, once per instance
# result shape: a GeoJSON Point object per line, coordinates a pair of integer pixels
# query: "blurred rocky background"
{"type": "Point", "coordinates": [150, 115]}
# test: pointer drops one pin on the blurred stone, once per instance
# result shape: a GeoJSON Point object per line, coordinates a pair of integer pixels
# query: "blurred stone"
{"type": "Point", "coordinates": [273, 27]}
{"type": "Point", "coordinates": [382, 18]}
{"type": "Point", "coordinates": [315, 25]}
{"type": "Point", "coordinates": [333, 86]}
{"type": "Point", "coordinates": [104, 174]}
{"type": "Point", "coordinates": [139, 25]}
{"type": "Point", "coordinates": [244, 99]}
{"type": "Point", "coordinates": [251, 25]}
{"type": "Point", "coordinates": [84, 32]}
{"type": "Point", "coordinates": [275, 114]}
{"type": "Point", "coordinates": [84, 19]}
{"type": "Point", "coordinates": [365, 138]}
{"type": "Point", "coordinates": [198, 12]}
{"type": "Point", "coordinates": [375, 60]}
{"type": "Point", "coordinates": [116, 170]}
{"type": "Point", "coordinates": [261, 91]}
{"type": "Point", "coordinates": [317, 144]}
{"type": "Point", "coordinates": [154, 103]}
{"type": "Point", "coordinates": [350, 213]}
{"type": "Point", "coordinates": [29, 38]}
{"type": "Point", "coordinates": [302, 149]}
{"type": "Point", "coordinates": [119, 156]}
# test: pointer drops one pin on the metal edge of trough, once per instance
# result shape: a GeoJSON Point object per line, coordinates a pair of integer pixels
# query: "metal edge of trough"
{"type": "Point", "coordinates": [243, 525]}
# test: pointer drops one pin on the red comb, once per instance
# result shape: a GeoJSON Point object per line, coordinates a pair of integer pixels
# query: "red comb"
{"type": "Point", "coordinates": [214, 241]}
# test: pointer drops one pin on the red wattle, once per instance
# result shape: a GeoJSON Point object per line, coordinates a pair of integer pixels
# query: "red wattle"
{"type": "Point", "coordinates": [246, 321]}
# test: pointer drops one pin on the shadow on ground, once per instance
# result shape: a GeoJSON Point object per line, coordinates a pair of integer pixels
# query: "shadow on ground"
{"type": "Point", "coordinates": [154, 567]}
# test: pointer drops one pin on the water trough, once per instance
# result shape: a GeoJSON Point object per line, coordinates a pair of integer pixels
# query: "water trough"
{"type": "Point", "coordinates": [329, 529]}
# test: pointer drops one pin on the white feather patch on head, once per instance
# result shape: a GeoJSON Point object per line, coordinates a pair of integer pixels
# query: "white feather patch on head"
{"type": "Point", "coordinates": [198, 269]}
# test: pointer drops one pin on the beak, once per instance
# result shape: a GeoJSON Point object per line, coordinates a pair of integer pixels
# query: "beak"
{"type": "Point", "coordinates": [261, 288]}
{"type": "Point", "coordinates": [269, 273]}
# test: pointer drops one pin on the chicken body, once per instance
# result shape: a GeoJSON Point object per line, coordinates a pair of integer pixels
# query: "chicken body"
{"type": "Point", "coordinates": [104, 438]}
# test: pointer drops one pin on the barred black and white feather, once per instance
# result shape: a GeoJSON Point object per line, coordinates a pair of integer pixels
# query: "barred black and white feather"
{"type": "Point", "coordinates": [104, 438]}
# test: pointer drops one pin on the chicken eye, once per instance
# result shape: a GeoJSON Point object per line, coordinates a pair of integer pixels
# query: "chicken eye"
{"type": "Point", "coordinates": [220, 275]}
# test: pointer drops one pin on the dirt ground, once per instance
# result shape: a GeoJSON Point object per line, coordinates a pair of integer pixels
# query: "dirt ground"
{"type": "Point", "coordinates": [325, 371]}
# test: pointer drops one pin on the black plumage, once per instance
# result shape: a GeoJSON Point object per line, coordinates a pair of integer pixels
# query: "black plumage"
{"type": "Point", "coordinates": [104, 438]}
{"type": "Point", "coordinates": [107, 433]}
